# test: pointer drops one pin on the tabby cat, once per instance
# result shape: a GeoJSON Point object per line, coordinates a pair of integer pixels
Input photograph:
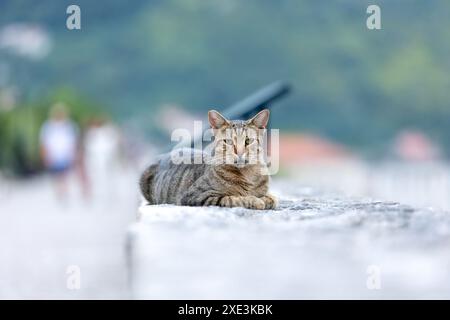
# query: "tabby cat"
{"type": "Point", "coordinates": [235, 175]}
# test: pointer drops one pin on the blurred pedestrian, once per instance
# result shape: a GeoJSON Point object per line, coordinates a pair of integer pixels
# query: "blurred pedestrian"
{"type": "Point", "coordinates": [59, 143]}
{"type": "Point", "coordinates": [101, 158]}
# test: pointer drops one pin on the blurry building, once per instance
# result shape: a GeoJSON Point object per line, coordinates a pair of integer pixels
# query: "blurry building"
{"type": "Point", "coordinates": [321, 163]}
{"type": "Point", "coordinates": [304, 148]}
{"type": "Point", "coordinates": [416, 175]}
{"type": "Point", "coordinates": [414, 145]}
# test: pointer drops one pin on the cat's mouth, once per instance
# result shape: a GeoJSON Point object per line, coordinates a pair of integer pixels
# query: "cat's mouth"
{"type": "Point", "coordinates": [240, 165]}
{"type": "Point", "coordinates": [243, 161]}
{"type": "Point", "coordinates": [237, 161]}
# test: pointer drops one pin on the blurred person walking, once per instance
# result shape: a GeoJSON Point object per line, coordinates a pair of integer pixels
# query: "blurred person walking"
{"type": "Point", "coordinates": [59, 145]}
{"type": "Point", "coordinates": [101, 158]}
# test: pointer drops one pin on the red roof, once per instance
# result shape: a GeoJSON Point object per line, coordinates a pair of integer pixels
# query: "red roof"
{"type": "Point", "coordinates": [300, 147]}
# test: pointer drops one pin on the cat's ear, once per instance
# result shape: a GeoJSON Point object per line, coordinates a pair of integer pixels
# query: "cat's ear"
{"type": "Point", "coordinates": [261, 119]}
{"type": "Point", "coordinates": [216, 120]}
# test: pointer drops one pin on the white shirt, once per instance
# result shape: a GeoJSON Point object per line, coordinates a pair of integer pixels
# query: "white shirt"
{"type": "Point", "coordinates": [59, 139]}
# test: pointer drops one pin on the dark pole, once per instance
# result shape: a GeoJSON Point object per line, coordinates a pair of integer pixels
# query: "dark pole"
{"type": "Point", "coordinates": [258, 101]}
{"type": "Point", "coordinates": [251, 105]}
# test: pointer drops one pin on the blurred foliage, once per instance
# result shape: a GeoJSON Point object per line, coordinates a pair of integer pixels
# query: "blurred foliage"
{"type": "Point", "coordinates": [353, 85]}
{"type": "Point", "coordinates": [19, 129]}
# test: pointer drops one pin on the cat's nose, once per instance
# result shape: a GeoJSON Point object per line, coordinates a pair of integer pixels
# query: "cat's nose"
{"type": "Point", "coordinates": [240, 151]}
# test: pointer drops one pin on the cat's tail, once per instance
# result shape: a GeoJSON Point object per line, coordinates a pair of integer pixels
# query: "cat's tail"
{"type": "Point", "coordinates": [146, 183]}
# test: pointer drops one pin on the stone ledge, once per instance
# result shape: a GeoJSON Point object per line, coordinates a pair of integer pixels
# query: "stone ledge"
{"type": "Point", "coordinates": [312, 246]}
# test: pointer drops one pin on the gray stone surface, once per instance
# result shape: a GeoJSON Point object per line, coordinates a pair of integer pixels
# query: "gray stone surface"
{"type": "Point", "coordinates": [317, 245]}
{"type": "Point", "coordinates": [313, 246]}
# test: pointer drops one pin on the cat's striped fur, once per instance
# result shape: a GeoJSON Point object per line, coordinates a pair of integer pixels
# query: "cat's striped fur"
{"type": "Point", "coordinates": [233, 177]}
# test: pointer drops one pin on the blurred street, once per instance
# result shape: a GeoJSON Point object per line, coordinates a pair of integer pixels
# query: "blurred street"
{"type": "Point", "coordinates": [40, 237]}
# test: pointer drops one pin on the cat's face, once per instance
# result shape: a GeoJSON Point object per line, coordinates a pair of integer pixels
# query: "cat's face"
{"type": "Point", "coordinates": [238, 142]}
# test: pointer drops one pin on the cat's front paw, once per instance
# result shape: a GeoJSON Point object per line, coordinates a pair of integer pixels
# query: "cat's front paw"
{"type": "Point", "coordinates": [270, 201]}
{"type": "Point", "coordinates": [249, 202]}
{"type": "Point", "coordinates": [252, 202]}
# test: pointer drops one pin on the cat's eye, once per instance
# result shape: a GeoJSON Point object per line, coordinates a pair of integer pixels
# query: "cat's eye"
{"type": "Point", "coordinates": [228, 141]}
{"type": "Point", "coordinates": [249, 141]}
